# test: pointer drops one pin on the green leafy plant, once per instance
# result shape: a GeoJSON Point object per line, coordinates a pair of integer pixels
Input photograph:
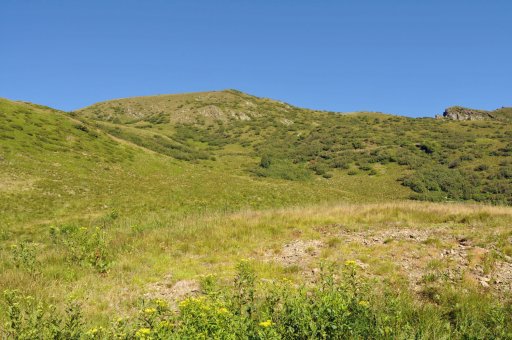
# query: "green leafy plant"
{"type": "Point", "coordinates": [24, 256]}
{"type": "Point", "coordinates": [85, 246]}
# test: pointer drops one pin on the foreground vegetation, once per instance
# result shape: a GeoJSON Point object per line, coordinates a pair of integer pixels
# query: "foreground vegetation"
{"type": "Point", "coordinates": [338, 306]}
{"type": "Point", "coordinates": [133, 271]}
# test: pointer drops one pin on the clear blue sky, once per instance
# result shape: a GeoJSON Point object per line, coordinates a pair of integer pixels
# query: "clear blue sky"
{"type": "Point", "coordinates": [406, 57]}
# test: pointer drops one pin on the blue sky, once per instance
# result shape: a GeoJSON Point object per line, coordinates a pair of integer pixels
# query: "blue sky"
{"type": "Point", "coordinates": [406, 57]}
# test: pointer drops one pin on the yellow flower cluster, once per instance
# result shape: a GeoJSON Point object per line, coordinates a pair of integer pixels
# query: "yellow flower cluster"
{"type": "Point", "coordinates": [266, 324]}
{"type": "Point", "coordinates": [364, 304]}
{"type": "Point", "coordinates": [189, 301]}
{"type": "Point", "coordinates": [222, 310]}
{"type": "Point", "coordinates": [161, 303]}
{"type": "Point", "coordinates": [149, 311]}
{"type": "Point", "coordinates": [143, 332]}
{"type": "Point", "coordinates": [350, 263]}
{"type": "Point", "coordinates": [92, 331]}
{"type": "Point", "coordinates": [286, 281]}
{"type": "Point", "coordinates": [165, 324]}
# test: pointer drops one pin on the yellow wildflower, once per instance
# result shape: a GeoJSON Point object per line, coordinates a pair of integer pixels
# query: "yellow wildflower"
{"type": "Point", "coordinates": [364, 304]}
{"type": "Point", "coordinates": [161, 303]}
{"type": "Point", "coordinates": [165, 324]}
{"type": "Point", "coordinates": [350, 263]}
{"type": "Point", "coordinates": [150, 311]}
{"type": "Point", "coordinates": [143, 332]}
{"type": "Point", "coordinates": [266, 324]}
{"type": "Point", "coordinates": [92, 331]}
{"type": "Point", "coordinates": [222, 310]}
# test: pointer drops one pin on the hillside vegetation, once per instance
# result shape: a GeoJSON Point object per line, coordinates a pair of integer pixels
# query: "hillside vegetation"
{"type": "Point", "coordinates": [438, 160]}
{"type": "Point", "coordinates": [224, 215]}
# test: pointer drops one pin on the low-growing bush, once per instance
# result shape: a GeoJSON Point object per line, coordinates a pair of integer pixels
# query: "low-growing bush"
{"type": "Point", "coordinates": [84, 246]}
{"type": "Point", "coordinates": [24, 256]}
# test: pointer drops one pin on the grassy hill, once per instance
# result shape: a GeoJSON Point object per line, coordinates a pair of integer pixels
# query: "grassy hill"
{"type": "Point", "coordinates": [438, 160]}
{"type": "Point", "coordinates": [137, 199]}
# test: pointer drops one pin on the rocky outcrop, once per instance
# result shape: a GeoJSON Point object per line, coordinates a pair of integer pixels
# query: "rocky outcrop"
{"type": "Point", "coordinates": [462, 113]}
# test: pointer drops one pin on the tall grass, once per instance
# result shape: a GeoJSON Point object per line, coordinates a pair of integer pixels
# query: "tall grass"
{"type": "Point", "coordinates": [341, 305]}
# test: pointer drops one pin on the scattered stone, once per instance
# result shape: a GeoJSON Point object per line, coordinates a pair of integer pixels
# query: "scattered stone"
{"type": "Point", "coordinates": [458, 260]}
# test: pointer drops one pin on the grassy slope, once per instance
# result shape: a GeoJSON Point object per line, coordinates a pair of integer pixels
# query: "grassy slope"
{"type": "Point", "coordinates": [444, 160]}
{"type": "Point", "coordinates": [52, 169]}
{"type": "Point", "coordinates": [164, 216]}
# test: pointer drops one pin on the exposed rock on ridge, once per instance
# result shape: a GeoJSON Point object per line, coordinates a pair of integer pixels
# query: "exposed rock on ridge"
{"type": "Point", "coordinates": [462, 113]}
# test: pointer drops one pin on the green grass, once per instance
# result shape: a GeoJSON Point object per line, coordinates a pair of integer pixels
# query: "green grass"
{"type": "Point", "coordinates": [102, 205]}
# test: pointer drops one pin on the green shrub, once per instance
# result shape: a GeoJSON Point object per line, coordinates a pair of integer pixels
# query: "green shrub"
{"type": "Point", "coordinates": [265, 161]}
{"type": "Point", "coordinates": [481, 167]}
{"type": "Point", "coordinates": [84, 246]}
{"type": "Point", "coordinates": [29, 319]}
{"type": "Point", "coordinates": [283, 169]}
{"type": "Point", "coordinates": [428, 147]}
{"type": "Point", "coordinates": [24, 256]}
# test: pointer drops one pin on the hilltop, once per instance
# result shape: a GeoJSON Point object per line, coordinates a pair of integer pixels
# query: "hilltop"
{"type": "Point", "coordinates": [183, 108]}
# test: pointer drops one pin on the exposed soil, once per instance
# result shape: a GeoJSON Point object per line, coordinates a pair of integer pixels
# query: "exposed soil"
{"type": "Point", "coordinates": [422, 256]}
{"type": "Point", "coordinates": [173, 292]}
{"type": "Point", "coordinates": [297, 253]}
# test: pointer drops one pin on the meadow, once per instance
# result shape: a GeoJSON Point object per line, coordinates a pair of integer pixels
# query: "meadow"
{"type": "Point", "coordinates": [123, 220]}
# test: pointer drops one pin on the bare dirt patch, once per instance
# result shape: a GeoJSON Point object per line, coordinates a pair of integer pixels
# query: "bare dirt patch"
{"type": "Point", "coordinates": [173, 292]}
{"type": "Point", "coordinates": [297, 253]}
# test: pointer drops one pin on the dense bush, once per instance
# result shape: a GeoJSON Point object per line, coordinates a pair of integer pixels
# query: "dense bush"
{"type": "Point", "coordinates": [450, 182]}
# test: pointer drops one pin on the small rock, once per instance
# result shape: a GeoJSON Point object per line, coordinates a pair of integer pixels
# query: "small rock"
{"type": "Point", "coordinates": [463, 241]}
{"type": "Point", "coordinates": [484, 284]}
